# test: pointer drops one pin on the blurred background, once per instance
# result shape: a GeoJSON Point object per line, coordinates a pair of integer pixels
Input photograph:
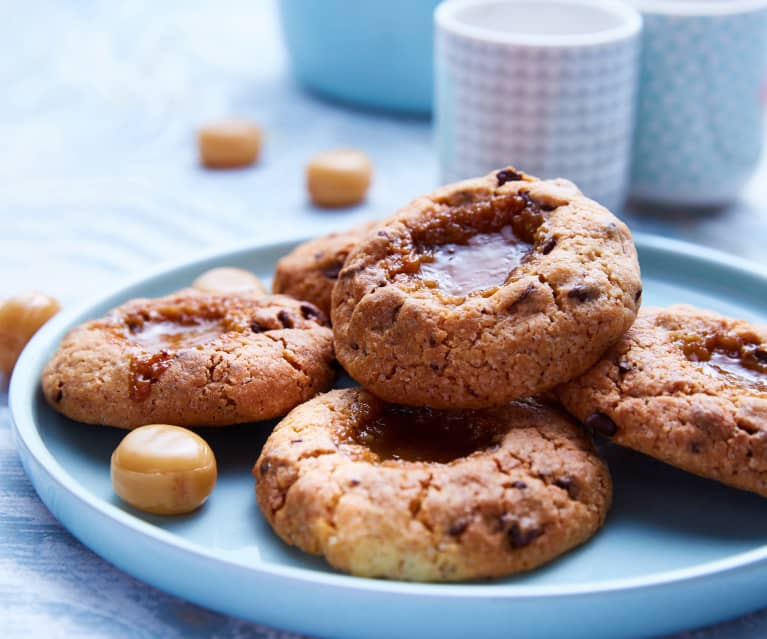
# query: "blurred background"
{"type": "Point", "coordinates": [102, 104]}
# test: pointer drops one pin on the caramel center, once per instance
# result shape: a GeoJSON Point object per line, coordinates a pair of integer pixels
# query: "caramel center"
{"type": "Point", "coordinates": [155, 342]}
{"type": "Point", "coordinates": [734, 371]}
{"type": "Point", "coordinates": [156, 335]}
{"type": "Point", "coordinates": [730, 358]}
{"type": "Point", "coordinates": [422, 435]}
{"type": "Point", "coordinates": [484, 262]}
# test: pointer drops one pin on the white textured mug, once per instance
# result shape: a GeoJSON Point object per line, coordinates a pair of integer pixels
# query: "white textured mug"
{"type": "Point", "coordinates": [546, 85]}
{"type": "Point", "coordinates": [699, 125]}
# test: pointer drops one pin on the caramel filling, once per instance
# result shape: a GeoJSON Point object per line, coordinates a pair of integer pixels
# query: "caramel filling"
{"type": "Point", "coordinates": [155, 341]}
{"type": "Point", "coordinates": [420, 435]}
{"type": "Point", "coordinates": [483, 263]}
{"type": "Point", "coordinates": [734, 371]}
{"type": "Point", "coordinates": [145, 370]}
{"type": "Point", "coordinates": [469, 243]}
{"type": "Point", "coordinates": [156, 335]}
{"type": "Point", "coordinates": [734, 360]}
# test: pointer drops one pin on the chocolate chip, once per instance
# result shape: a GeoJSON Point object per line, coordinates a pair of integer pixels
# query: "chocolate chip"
{"type": "Point", "coordinates": [601, 423]}
{"type": "Point", "coordinates": [310, 311]}
{"type": "Point", "coordinates": [638, 295]}
{"type": "Point", "coordinates": [296, 441]}
{"type": "Point", "coordinates": [458, 527]}
{"type": "Point", "coordinates": [566, 483]}
{"type": "Point", "coordinates": [519, 484]}
{"type": "Point", "coordinates": [332, 272]}
{"type": "Point", "coordinates": [520, 536]}
{"type": "Point", "coordinates": [583, 293]}
{"type": "Point", "coordinates": [59, 396]}
{"type": "Point", "coordinates": [624, 367]}
{"type": "Point", "coordinates": [256, 327]}
{"type": "Point", "coordinates": [548, 245]}
{"type": "Point", "coordinates": [285, 319]}
{"type": "Point", "coordinates": [507, 175]}
{"type": "Point", "coordinates": [383, 234]}
{"type": "Point", "coordinates": [355, 346]}
{"type": "Point", "coordinates": [522, 298]}
{"type": "Point", "coordinates": [535, 205]}
{"type": "Point", "coordinates": [432, 341]}
{"type": "Point", "coordinates": [134, 325]}
{"type": "Point", "coordinates": [434, 367]}
{"type": "Point", "coordinates": [611, 230]}
{"type": "Point", "coordinates": [266, 466]}
{"type": "Point", "coordinates": [761, 355]}
{"type": "Point", "coordinates": [354, 482]}
{"type": "Point", "coordinates": [695, 448]}
{"type": "Point", "coordinates": [530, 203]}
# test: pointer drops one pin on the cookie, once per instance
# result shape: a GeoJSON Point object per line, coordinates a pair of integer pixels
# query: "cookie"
{"type": "Point", "coordinates": [309, 272]}
{"type": "Point", "coordinates": [383, 490]}
{"type": "Point", "coordinates": [688, 387]}
{"type": "Point", "coordinates": [192, 360]}
{"type": "Point", "coordinates": [485, 291]}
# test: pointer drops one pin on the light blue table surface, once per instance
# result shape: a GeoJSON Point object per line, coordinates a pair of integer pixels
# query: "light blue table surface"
{"type": "Point", "coordinates": [99, 181]}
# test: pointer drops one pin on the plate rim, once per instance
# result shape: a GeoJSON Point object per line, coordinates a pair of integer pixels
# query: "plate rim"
{"type": "Point", "coordinates": [24, 388]}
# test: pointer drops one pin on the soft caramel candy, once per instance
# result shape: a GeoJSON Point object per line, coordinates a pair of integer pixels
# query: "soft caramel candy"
{"type": "Point", "coordinates": [163, 469]}
{"type": "Point", "coordinates": [21, 316]}
{"type": "Point", "coordinates": [338, 178]}
{"type": "Point", "coordinates": [227, 279]}
{"type": "Point", "coordinates": [229, 144]}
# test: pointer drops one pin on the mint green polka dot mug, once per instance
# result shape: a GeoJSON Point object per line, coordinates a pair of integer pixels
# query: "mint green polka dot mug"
{"type": "Point", "coordinates": [702, 100]}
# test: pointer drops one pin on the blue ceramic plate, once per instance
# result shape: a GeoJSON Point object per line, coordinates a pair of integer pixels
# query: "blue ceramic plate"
{"type": "Point", "coordinates": [676, 552]}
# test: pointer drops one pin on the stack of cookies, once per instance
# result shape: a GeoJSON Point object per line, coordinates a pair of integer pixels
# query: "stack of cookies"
{"type": "Point", "coordinates": [482, 322]}
{"type": "Point", "coordinates": [454, 315]}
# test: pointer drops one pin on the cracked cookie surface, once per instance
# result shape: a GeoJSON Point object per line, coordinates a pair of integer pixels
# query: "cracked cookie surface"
{"type": "Point", "coordinates": [309, 272]}
{"type": "Point", "coordinates": [485, 291]}
{"type": "Point", "coordinates": [688, 387]}
{"type": "Point", "coordinates": [192, 360]}
{"type": "Point", "coordinates": [390, 491]}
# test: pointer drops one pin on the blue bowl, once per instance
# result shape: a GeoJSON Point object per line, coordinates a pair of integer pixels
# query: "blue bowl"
{"type": "Point", "coordinates": [370, 53]}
